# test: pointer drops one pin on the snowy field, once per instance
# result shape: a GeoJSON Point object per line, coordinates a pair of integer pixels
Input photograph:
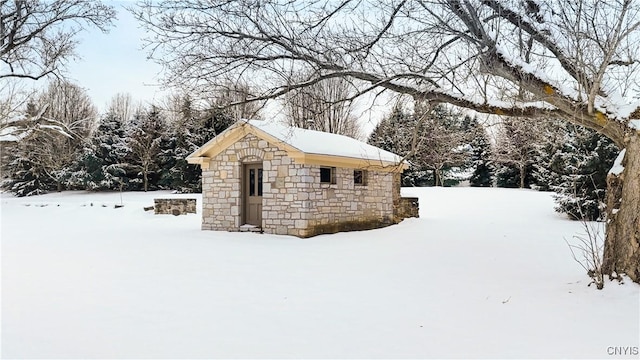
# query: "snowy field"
{"type": "Point", "coordinates": [484, 273]}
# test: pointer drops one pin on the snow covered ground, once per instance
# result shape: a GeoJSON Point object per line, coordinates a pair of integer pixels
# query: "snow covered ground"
{"type": "Point", "coordinates": [484, 273]}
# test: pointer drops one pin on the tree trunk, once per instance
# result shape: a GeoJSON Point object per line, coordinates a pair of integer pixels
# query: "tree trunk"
{"type": "Point", "coordinates": [523, 169]}
{"type": "Point", "coordinates": [621, 249]}
{"type": "Point", "coordinates": [145, 179]}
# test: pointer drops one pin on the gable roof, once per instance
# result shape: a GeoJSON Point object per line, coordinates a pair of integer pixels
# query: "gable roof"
{"type": "Point", "coordinates": [304, 146]}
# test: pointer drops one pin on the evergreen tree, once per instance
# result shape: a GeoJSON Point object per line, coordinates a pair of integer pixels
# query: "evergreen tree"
{"type": "Point", "coordinates": [394, 133]}
{"type": "Point", "coordinates": [555, 135]}
{"type": "Point", "coordinates": [434, 141]}
{"type": "Point", "coordinates": [508, 176]}
{"type": "Point", "coordinates": [581, 165]}
{"type": "Point", "coordinates": [483, 170]}
{"type": "Point", "coordinates": [104, 160]}
{"type": "Point", "coordinates": [25, 176]}
{"type": "Point", "coordinates": [188, 131]}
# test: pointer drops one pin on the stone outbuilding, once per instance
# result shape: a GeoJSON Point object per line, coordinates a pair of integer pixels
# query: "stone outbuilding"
{"type": "Point", "coordinates": [265, 176]}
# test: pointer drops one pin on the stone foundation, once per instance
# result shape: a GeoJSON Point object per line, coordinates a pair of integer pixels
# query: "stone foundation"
{"type": "Point", "coordinates": [353, 225]}
{"type": "Point", "coordinates": [174, 206]}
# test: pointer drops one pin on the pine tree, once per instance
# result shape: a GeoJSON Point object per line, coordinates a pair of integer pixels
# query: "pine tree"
{"type": "Point", "coordinates": [25, 175]}
{"type": "Point", "coordinates": [394, 133]}
{"type": "Point", "coordinates": [104, 160]}
{"type": "Point", "coordinates": [483, 170]}
{"type": "Point", "coordinates": [582, 164]}
{"type": "Point", "coordinates": [434, 142]}
{"type": "Point", "coordinates": [555, 135]}
{"type": "Point", "coordinates": [188, 131]}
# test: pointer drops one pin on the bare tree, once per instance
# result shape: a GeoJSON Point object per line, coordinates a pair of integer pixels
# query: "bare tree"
{"type": "Point", "coordinates": [38, 37]}
{"type": "Point", "coordinates": [233, 97]}
{"type": "Point", "coordinates": [583, 66]}
{"type": "Point", "coordinates": [515, 145]}
{"type": "Point", "coordinates": [441, 141]}
{"type": "Point", "coordinates": [145, 137]}
{"type": "Point", "coordinates": [13, 98]}
{"type": "Point", "coordinates": [324, 106]}
{"type": "Point", "coordinates": [69, 109]}
{"type": "Point", "coordinates": [13, 121]}
{"type": "Point", "coordinates": [123, 107]}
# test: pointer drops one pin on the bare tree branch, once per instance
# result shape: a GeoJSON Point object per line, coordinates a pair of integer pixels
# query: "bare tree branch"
{"type": "Point", "coordinates": [37, 37]}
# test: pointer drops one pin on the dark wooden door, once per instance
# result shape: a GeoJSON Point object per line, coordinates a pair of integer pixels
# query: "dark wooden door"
{"type": "Point", "coordinates": [253, 194]}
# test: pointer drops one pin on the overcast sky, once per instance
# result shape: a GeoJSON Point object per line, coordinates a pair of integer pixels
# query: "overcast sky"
{"type": "Point", "coordinates": [115, 62]}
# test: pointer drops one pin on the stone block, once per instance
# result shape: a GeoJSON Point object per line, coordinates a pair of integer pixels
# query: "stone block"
{"type": "Point", "coordinates": [407, 207]}
{"type": "Point", "coordinates": [174, 206]}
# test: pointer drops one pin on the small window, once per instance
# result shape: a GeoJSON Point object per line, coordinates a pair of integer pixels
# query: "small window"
{"type": "Point", "coordinates": [252, 182]}
{"type": "Point", "coordinates": [327, 175]}
{"type": "Point", "coordinates": [359, 177]}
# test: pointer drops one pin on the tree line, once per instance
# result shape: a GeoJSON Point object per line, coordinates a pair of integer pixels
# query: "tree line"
{"type": "Point", "coordinates": [445, 146]}
{"type": "Point", "coordinates": [130, 147]}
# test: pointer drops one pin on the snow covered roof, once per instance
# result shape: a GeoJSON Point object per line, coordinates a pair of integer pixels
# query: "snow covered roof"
{"type": "Point", "coordinates": [305, 146]}
{"type": "Point", "coordinates": [323, 143]}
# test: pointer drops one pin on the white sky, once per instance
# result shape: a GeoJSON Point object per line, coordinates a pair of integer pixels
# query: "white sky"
{"type": "Point", "coordinates": [114, 62]}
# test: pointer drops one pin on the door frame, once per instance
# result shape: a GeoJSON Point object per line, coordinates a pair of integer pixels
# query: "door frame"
{"type": "Point", "coordinates": [244, 192]}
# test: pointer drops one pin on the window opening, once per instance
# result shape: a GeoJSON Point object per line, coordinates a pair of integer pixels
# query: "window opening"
{"type": "Point", "coordinates": [328, 175]}
{"type": "Point", "coordinates": [359, 177]}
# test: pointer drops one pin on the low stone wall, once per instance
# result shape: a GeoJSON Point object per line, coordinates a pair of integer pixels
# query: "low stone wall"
{"type": "Point", "coordinates": [355, 225]}
{"type": "Point", "coordinates": [174, 206]}
{"type": "Point", "coordinates": [407, 207]}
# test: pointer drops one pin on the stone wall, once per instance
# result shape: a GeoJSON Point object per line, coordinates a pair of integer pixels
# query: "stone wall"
{"type": "Point", "coordinates": [346, 206]}
{"type": "Point", "coordinates": [174, 206]}
{"type": "Point", "coordinates": [283, 207]}
{"type": "Point", "coordinates": [407, 207]}
{"type": "Point", "coordinates": [294, 202]}
{"type": "Point", "coordinates": [286, 208]}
